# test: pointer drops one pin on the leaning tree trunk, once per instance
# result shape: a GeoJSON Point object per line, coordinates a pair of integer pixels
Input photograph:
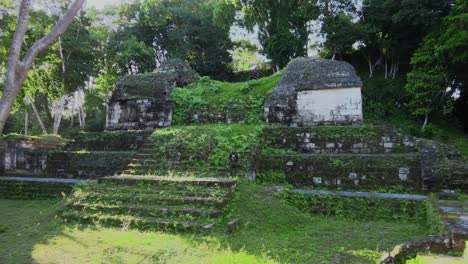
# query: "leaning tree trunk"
{"type": "Point", "coordinates": [18, 68]}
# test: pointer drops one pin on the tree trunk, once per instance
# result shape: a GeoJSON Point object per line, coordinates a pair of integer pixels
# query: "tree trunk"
{"type": "Point", "coordinates": [26, 122]}
{"type": "Point", "coordinates": [38, 117]}
{"type": "Point", "coordinates": [386, 68]}
{"type": "Point", "coordinates": [426, 120]}
{"type": "Point", "coordinates": [17, 68]}
{"type": "Point", "coordinates": [371, 68]}
{"type": "Point", "coordinates": [395, 68]}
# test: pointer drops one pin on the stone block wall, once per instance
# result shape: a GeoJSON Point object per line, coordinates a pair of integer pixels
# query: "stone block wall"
{"type": "Point", "coordinates": [316, 92]}
{"type": "Point", "coordinates": [359, 157]}
{"type": "Point", "coordinates": [143, 102]}
{"type": "Point", "coordinates": [24, 156]}
{"type": "Point", "coordinates": [86, 165]}
{"type": "Point", "coordinates": [339, 139]}
{"type": "Point", "coordinates": [94, 155]}
{"type": "Point", "coordinates": [138, 114]}
{"type": "Point", "coordinates": [345, 170]}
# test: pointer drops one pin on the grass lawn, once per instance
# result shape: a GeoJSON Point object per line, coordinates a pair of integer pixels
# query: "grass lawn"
{"type": "Point", "coordinates": [271, 232]}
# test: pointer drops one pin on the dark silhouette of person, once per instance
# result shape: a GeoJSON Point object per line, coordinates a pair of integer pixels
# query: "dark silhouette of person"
{"type": "Point", "coordinates": [233, 159]}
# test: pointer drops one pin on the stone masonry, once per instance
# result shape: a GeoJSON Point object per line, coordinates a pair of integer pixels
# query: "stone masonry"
{"type": "Point", "coordinates": [142, 102]}
{"type": "Point", "coordinates": [316, 91]}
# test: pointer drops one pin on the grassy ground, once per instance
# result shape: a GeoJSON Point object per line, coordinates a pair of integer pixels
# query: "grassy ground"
{"type": "Point", "coordinates": [271, 231]}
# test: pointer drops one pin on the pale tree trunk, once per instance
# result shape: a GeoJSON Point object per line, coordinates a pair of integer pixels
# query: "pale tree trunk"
{"type": "Point", "coordinates": [395, 68]}
{"type": "Point", "coordinates": [38, 117]}
{"type": "Point", "coordinates": [18, 68]}
{"type": "Point", "coordinates": [386, 69]}
{"type": "Point", "coordinates": [426, 120]}
{"type": "Point", "coordinates": [26, 122]}
{"type": "Point", "coordinates": [72, 114]}
{"type": "Point", "coordinates": [371, 68]}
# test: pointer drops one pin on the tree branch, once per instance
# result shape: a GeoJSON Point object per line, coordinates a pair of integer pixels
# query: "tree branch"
{"type": "Point", "coordinates": [17, 41]}
{"type": "Point", "coordinates": [58, 29]}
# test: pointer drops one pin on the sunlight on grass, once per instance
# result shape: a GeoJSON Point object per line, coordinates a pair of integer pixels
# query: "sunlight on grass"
{"type": "Point", "coordinates": [116, 246]}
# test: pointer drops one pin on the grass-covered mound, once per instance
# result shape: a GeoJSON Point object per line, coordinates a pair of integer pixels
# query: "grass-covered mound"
{"type": "Point", "coordinates": [210, 101]}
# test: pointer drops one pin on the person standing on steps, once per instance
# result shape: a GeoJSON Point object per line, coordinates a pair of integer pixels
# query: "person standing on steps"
{"type": "Point", "coordinates": [233, 159]}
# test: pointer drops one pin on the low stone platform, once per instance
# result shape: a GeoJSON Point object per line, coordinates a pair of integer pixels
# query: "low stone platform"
{"type": "Point", "coordinates": [36, 188]}
{"type": "Point", "coordinates": [363, 194]}
{"type": "Point", "coordinates": [31, 179]}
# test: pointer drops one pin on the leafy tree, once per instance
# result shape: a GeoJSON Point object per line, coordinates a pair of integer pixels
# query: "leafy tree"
{"type": "Point", "coordinates": [194, 30]}
{"type": "Point", "coordinates": [398, 26]}
{"type": "Point", "coordinates": [283, 26]}
{"type": "Point", "coordinates": [427, 80]}
{"type": "Point", "coordinates": [18, 68]}
{"type": "Point", "coordinates": [453, 50]}
{"type": "Point", "coordinates": [341, 33]}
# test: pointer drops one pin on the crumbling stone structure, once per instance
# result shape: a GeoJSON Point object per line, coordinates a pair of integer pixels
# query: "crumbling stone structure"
{"type": "Point", "coordinates": [25, 156]}
{"type": "Point", "coordinates": [316, 91]}
{"type": "Point", "coordinates": [361, 157]}
{"type": "Point", "coordinates": [142, 102]}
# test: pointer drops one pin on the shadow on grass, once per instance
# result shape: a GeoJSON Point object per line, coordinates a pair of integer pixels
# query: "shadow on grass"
{"type": "Point", "coordinates": [24, 224]}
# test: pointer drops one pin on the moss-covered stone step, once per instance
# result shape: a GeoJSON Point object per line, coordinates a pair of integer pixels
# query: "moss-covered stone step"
{"type": "Point", "coordinates": [117, 198]}
{"type": "Point", "coordinates": [182, 190]}
{"type": "Point", "coordinates": [150, 210]}
{"type": "Point", "coordinates": [156, 180]}
{"type": "Point", "coordinates": [141, 223]}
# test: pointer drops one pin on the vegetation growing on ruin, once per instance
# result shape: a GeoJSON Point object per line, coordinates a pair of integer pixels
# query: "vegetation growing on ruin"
{"type": "Point", "coordinates": [50, 140]}
{"type": "Point", "coordinates": [209, 97]}
{"type": "Point", "coordinates": [208, 146]}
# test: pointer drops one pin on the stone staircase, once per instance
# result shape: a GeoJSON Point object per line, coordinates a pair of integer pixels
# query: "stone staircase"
{"type": "Point", "coordinates": [149, 202]}
{"type": "Point", "coordinates": [155, 157]}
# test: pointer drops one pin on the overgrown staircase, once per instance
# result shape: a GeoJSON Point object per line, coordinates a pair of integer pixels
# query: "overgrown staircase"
{"type": "Point", "coordinates": [156, 203]}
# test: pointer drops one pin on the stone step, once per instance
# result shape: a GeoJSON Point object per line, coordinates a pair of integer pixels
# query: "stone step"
{"type": "Point", "coordinates": [135, 179]}
{"type": "Point", "coordinates": [146, 199]}
{"type": "Point", "coordinates": [182, 190]}
{"type": "Point", "coordinates": [150, 210]}
{"type": "Point", "coordinates": [141, 223]}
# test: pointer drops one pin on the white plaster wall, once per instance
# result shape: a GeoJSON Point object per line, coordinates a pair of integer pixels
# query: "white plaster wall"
{"type": "Point", "coordinates": [329, 105]}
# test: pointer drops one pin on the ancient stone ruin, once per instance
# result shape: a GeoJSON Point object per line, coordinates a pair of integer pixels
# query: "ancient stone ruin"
{"type": "Point", "coordinates": [316, 91]}
{"type": "Point", "coordinates": [143, 101]}
{"type": "Point", "coordinates": [26, 156]}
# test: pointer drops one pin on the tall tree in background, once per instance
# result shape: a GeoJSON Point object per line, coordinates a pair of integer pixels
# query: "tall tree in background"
{"type": "Point", "coordinates": [283, 26]}
{"type": "Point", "coordinates": [151, 31]}
{"type": "Point", "coordinates": [397, 28]}
{"type": "Point", "coordinates": [427, 81]}
{"type": "Point", "coordinates": [453, 50]}
{"type": "Point", "coordinates": [18, 68]}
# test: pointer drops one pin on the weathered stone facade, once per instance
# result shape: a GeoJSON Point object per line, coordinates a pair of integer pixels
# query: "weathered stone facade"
{"type": "Point", "coordinates": [24, 156]}
{"type": "Point", "coordinates": [143, 101]}
{"type": "Point", "coordinates": [316, 91]}
{"type": "Point", "coordinates": [360, 157]}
